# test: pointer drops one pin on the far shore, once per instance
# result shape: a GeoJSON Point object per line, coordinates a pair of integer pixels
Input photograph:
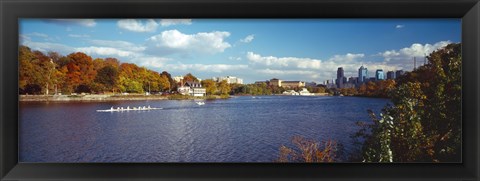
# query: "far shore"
{"type": "Point", "coordinates": [107, 97]}
{"type": "Point", "coordinates": [93, 97]}
{"type": "Point", "coordinates": [118, 97]}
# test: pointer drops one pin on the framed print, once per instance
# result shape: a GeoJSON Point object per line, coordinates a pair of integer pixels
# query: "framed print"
{"type": "Point", "coordinates": [239, 90]}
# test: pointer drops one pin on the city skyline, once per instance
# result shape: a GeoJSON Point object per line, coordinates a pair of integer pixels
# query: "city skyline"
{"type": "Point", "coordinates": [254, 50]}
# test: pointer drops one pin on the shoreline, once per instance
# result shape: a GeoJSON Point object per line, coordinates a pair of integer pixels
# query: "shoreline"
{"type": "Point", "coordinates": [139, 97]}
{"type": "Point", "coordinates": [97, 97]}
{"type": "Point", "coordinates": [67, 98]}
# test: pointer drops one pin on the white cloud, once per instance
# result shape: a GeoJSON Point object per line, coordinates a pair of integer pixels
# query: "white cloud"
{"type": "Point", "coordinates": [122, 45]}
{"type": "Point", "coordinates": [94, 51]}
{"type": "Point", "coordinates": [46, 46]}
{"type": "Point", "coordinates": [278, 72]}
{"type": "Point", "coordinates": [170, 22]}
{"type": "Point", "coordinates": [235, 58]}
{"type": "Point", "coordinates": [347, 58]}
{"type": "Point", "coordinates": [305, 69]}
{"type": "Point", "coordinates": [24, 38]}
{"type": "Point", "coordinates": [137, 25]}
{"type": "Point", "coordinates": [403, 58]}
{"type": "Point", "coordinates": [285, 62]}
{"type": "Point", "coordinates": [248, 39]}
{"type": "Point", "coordinates": [79, 35]}
{"type": "Point", "coordinates": [174, 41]}
{"type": "Point", "coordinates": [148, 61]}
{"type": "Point", "coordinates": [217, 68]}
{"type": "Point", "coordinates": [302, 63]}
{"type": "Point", "coordinates": [38, 35]}
{"type": "Point", "coordinates": [104, 51]}
{"type": "Point", "coordinates": [399, 26]}
{"type": "Point", "coordinates": [81, 22]}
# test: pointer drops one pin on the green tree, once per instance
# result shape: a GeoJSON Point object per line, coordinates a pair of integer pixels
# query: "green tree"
{"type": "Point", "coordinates": [210, 86]}
{"type": "Point", "coordinates": [424, 122]}
{"type": "Point", "coordinates": [223, 87]}
{"type": "Point", "coordinates": [107, 76]}
{"type": "Point", "coordinates": [173, 84]}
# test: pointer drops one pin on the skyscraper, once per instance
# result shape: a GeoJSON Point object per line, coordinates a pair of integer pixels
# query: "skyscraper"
{"type": "Point", "coordinates": [362, 74]}
{"type": "Point", "coordinates": [390, 75]}
{"type": "Point", "coordinates": [340, 77]}
{"type": "Point", "coordinates": [379, 75]}
{"type": "Point", "coordinates": [398, 73]}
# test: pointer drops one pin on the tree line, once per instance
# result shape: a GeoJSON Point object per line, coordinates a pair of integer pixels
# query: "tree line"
{"type": "Point", "coordinates": [77, 72]}
{"type": "Point", "coordinates": [424, 122]}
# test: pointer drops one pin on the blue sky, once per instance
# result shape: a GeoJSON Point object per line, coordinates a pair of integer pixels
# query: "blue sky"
{"type": "Point", "coordinates": [252, 49]}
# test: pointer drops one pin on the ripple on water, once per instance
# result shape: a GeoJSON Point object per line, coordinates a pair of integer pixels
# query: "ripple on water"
{"type": "Point", "coordinates": [240, 129]}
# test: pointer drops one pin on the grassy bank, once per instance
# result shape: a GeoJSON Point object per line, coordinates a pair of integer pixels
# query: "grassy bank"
{"type": "Point", "coordinates": [102, 97]}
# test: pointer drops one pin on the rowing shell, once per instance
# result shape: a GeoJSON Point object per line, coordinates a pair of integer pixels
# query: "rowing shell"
{"type": "Point", "coordinates": [135, 109]}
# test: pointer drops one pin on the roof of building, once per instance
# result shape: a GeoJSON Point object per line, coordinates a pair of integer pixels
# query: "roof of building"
{"type": "Point", "coordinates": [193, 84]}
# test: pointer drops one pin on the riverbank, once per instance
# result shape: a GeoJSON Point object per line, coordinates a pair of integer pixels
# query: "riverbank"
{"type": "Point", "coordinates": [101, 97]}
{"type": "Point", "coordinates": [33, 98]}
{"type": "Point", "coordinates": [131, 97]}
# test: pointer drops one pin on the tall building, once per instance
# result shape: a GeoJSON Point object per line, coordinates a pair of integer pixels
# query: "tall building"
{"type": "Point", "coordinates": [340, 77]}
{"type": "Point", "coordinates": [353, 80]}
{"type": "Point", "coordinates": [362, 74]}
{"type": "Point", "coordinates": [398, 73]}
{"type": "Point", "coordinates": [390, 75]}
{"type": "Point", "coordinates": [379, 75]}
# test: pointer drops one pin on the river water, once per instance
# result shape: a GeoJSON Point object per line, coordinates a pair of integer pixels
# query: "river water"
{"type": "Point", "coordinates": [239, 129]}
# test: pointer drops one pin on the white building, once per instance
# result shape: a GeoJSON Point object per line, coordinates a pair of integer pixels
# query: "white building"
{"type": "Point", "coordinates": [192, 89]}
{"type": "Point", "coordinates": [229, 79]}
{"type": "Point", "coordinates": [178, 78]}
{"type": "Point", "coordinates": [305, 92]}
{"type": "Point", "coordinates": [290, 93]}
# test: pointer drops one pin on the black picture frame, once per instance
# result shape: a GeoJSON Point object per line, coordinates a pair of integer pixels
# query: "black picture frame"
{"type": "Point", "coordinates": [11, 11]}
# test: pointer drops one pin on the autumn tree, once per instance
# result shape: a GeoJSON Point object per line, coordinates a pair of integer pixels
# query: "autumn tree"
{"type": "Point", "coordinates": [173, 84]}
{"type": "Point", "coordinates": [309, 151]}
{"type": "Point", "coordinates": [78, 72]}
{"type": "Point", "coordinates": [223, 87]}
{"type": "Point", "coordinates": [107, 76]}
{"type": "Point", "coordinates": [424, 122]}
{"type": "Point", "coordinates": [190, 77]}
{"type": "Point", "coordinates": [210, 86]}
{"type": "Point", "coordinates": [81, 71]}
{"type": "Point", "coordinates": [37, 71]}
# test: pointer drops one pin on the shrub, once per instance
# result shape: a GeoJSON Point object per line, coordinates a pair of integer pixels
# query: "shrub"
{"type": "Point", "coordinates": [309, 150]}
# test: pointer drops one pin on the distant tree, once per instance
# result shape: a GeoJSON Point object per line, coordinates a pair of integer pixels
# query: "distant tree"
{"type": "Point", "coordinates": [107, 76]}
{"type": "Point", "coordinates": [223, 87]}
{"type": "Point", "coordinates": [80, 70]}
{"type": "Point", "coordinates": [112, 62]}
{"type": "Point", "coordinates": [27, 69]}
{"type": "Point", "coordinates": [173, 84]}
{"type": "Point", "coordinates": [83, 89]}
{"type": "Point", "coordinates": [190, 77]}
{"type": "Point", "coordinates": [210, 86]}
{"type": "Point", "coordinates": [31, 89]}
